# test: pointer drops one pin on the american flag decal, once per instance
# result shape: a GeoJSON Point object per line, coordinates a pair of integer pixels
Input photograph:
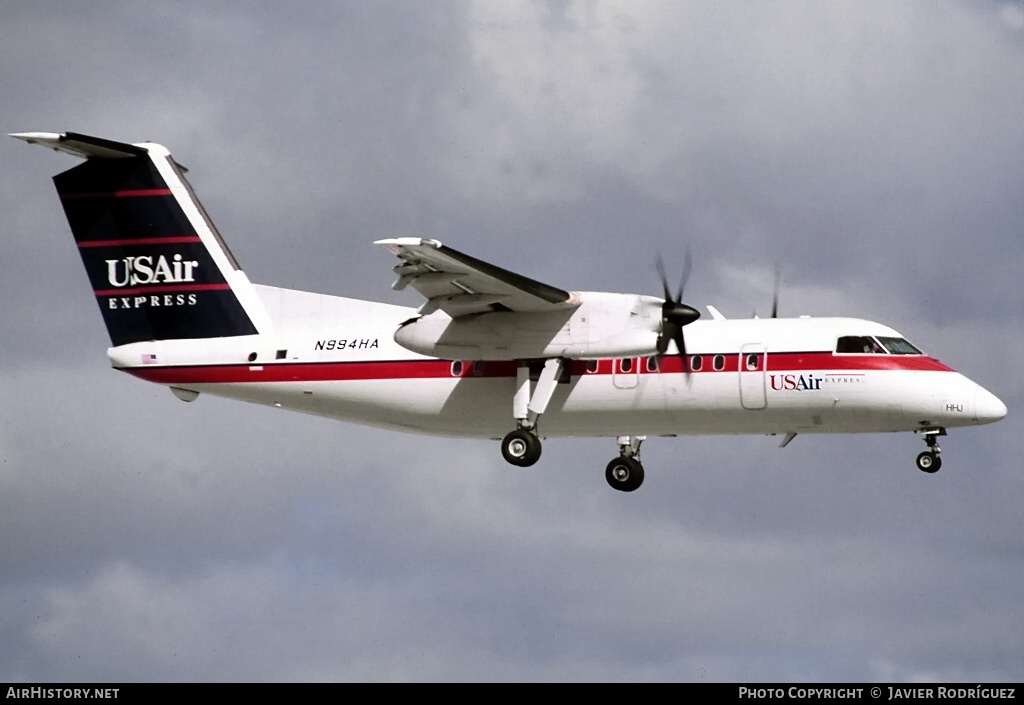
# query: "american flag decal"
{"type": "Point", "coordinates": [148, 359]}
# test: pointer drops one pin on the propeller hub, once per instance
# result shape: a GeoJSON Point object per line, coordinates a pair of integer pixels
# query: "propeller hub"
{"type": "Point", "coordinates": [678, 313]}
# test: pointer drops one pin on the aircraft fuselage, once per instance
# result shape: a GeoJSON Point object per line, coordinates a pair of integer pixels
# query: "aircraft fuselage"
{"type": "Point", "coordinates": [762, 376]}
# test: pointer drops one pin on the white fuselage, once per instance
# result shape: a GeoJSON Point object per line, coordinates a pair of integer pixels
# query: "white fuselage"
{"type": "Point", "coordinates": [337, 358]}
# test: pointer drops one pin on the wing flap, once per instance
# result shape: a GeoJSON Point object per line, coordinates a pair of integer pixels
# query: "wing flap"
{"type": "Point", "coordinates": [460, 285]}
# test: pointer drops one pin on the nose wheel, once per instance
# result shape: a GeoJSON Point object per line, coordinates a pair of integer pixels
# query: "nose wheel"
{"type": "Point", "coordinates": [929, 461]}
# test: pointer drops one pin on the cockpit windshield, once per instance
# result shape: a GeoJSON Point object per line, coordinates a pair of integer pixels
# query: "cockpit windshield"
{"type": "Point", "coordinates": [867, 345]}
{"type": "Point", "coordinates": [898, 346]}
{"type": "Point", "coordinates": [859, 344]}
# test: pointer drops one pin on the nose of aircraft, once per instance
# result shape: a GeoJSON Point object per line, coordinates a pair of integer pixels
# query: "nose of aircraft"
{"type": "Point", "coordinates": [987, 407]}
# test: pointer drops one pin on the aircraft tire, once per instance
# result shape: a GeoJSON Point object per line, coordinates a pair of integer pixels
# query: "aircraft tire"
{"type": "Point", "coordinates": [624, 474]}
{"type": "Point", "coordinates": [929, 462]}
{"type": "Point", "coordinates": [521, 448]}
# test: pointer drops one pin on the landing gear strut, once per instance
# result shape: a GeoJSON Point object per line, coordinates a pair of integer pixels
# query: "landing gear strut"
{"type": "Point", "coordinates": [929, 461]}
{"type": "Point", "coordinates": [625, 473]}
{"type": "Point", "coordinates": [522, 447]}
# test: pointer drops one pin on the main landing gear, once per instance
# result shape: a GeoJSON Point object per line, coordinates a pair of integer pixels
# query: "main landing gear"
{"type": "Point", "coordinates": [929, 461]}
{"type": "Point", "coordinates": [625, 473]}
{"type": "Point", "coordinates": [522, 447]}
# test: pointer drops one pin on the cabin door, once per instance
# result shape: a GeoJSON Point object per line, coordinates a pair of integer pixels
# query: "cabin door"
{"type": "Point", "coordinates": [626, 372]}
{"type": "Point", "coordinates": [753, 366]}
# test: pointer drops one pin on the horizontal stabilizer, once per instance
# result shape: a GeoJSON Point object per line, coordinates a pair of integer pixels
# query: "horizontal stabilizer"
{"type": "Point", "coordinates": [82, 146]}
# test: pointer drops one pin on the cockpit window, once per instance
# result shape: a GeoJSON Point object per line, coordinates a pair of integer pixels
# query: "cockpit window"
{"type": "Point", "coordinates": [898, 346]}
{"type": "Point", "coordinates": [859, 344]}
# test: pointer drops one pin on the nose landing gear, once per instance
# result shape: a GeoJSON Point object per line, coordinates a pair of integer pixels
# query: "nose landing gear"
{"type": "Point", "coordinates": [929, 461]}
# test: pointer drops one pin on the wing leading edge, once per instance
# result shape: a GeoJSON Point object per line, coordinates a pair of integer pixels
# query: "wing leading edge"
{"type": "Point", "coordinates": [461, 285]}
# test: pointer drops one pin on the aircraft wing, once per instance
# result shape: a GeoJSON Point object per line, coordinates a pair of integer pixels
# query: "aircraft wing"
{"type": "Point", "coordinates": [461, 285]}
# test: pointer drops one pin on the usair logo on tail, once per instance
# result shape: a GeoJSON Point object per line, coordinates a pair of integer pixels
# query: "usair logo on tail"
{"type": "Point", "coordinates": [146, 270]}
{"type": "Point", "coordinates": [130, 271]}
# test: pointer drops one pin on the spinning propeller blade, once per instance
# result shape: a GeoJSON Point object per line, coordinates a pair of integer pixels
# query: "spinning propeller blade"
{"type": "Point", "coordinates": [775, 293]}
{"type": "Point", "coordinates": [674, 313]}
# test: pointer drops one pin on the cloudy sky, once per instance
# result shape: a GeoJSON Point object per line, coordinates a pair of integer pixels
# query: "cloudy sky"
{"type": "Point", "coordinates": [874, 151]}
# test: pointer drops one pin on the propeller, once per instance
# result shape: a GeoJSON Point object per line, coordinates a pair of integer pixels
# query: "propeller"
{"type": "Point", "coordinates": [775, 294]}
{"type": "Point", "coordinates": [674, 313]}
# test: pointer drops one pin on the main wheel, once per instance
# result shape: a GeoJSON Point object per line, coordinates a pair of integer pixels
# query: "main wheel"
{"type": "Point", "coordinates": [521, 448]}
{"type": "Point", "coordinates": [929, 462]}
{"type": "Point", "coordinates": [624, 474]}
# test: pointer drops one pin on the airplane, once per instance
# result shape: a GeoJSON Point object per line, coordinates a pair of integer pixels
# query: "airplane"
{"type": "Point", "coordinates": [489, 353]}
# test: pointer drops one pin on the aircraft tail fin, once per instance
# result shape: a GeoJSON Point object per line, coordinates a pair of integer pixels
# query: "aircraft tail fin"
{"type": "Point", "coordinates": [158, 267]}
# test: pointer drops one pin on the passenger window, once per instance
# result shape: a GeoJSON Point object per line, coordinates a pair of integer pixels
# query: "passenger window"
{"type": "Point", "coordinates": [478, 368]}
{"type": "Point", "coordinates": [456, 368]}
{"type": "Point", "coordinates": [696, 362]}
{"type": "Point", "coordinates": [718, 362]}
{"type": "Point", "coordinates": [626, 364]}
{"type": "Point", "coordinates": [752, 362]}
{"type": "Point", "coordinates": [592, 366]}
{"type": "Point", "coordinates": [652, 363]}
{"type": "Point", "coordinates": [859, 344]}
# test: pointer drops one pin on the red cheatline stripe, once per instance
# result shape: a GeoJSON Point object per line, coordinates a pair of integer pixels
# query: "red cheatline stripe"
{"type": "Point", "coordinates": [795, 362]}
{"type": "Point", "coordinates": [324, 372]}
{"type": "Point", "coordinates": [175, 240]}
{"type": "Point", "coordinates": [127, 193]}
{"type": "Point", "coordinates": [161, 289]}
{"type": "Point", "coordinates": [256, 373]}
{"type": "Point", "coordinates": [788, 362]}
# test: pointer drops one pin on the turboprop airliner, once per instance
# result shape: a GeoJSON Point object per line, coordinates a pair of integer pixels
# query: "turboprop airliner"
{"type": "Point", "coordinates": [488, 353]}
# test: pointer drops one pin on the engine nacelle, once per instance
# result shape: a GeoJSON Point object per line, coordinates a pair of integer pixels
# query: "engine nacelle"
{"type": "Point", "coordinates": [602, 326]}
